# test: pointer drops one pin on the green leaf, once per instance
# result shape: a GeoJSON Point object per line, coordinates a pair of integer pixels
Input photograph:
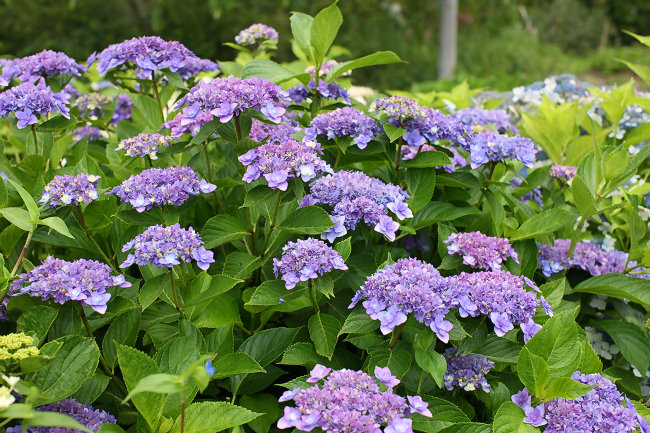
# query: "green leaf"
{"type": "Point", "coordinates": [241, 265]}
{"type": "Point", "coordinates": [467, 427]}
{"type": "Point", "coordinates": [438, 211]}
{"type": "Point", "coordinates": [583, 198]}
{"type": "Point", "coordinates": [235, 363]}
{"type": "Point", "coordinates": [108, 427]}
{"type": "Point", "coordinates": [615, 164]}
{"type": "Point", "coordinates": [378, 58]}
{"type": "Point", "coordinates": [399, 361]}
{"type": "Point", "coordinates": [358, 322]}
{"type": "Point", "coordinates": [258, 195]}
{"type": "Point", "coordinates": [270, 70]}
{"type": "Point", "coordinates": [565, 387]}
{"type": "Point", "coordinates": [618, 286]}
{"type": "Point", "coordinates": [263, 403]}
{"type": "Point", "coordinates": [159, 383]}
{"type": "Point", "coordinates": [510, 419]}
{"type": "Point", "coordinates": [499, 349]}
{"type": "Point", "coordinates": [421, 183]}
{"type": "Point", "coordinates": [393, 132]}
{"type": "Point", "coordinates": [221, 229]}
{"type": "Point", "coordinates": [149, 109]}
{"type": "Point", "coordinates": [558, 344]}
{"type": "Point", "coordinates": [18, 217]}
{"type": "Point", "coordinates": [309, 220]}
{"type": "Point", "coordinates": [36, 321]}
{"type": "Point", "coordinates": [152, 289]}
{"type": "Point", "coordinates": [543, 223]}
{"type": "Point", "coordinates": [212, 416]}
{"type": "Point", "coordinates": [631, 340]}
{"type": "Point", "coordinates": [57, 224]}
{"type": "Point", "coordinates": [433, 363]}
{"type": "Point", "coordinates": [445, 414]}
{"type": "Point", "coordinates": [302, 354]}
{"type": "Point", "coordinates": [301, 30]}
{"type": "Point", "coordinates": [344, 248]}
{"type": "Point", "coordinates": [55, 419]}
{"type": "Point", "coordinates": [533, 372]}
{"type": "Point", "coordinates": [324, 330]}
{"type": "Point", "coordinates": [123, 330]}
{"type": "Point", "coordinates": [323, 31]}
{"type": "Point", "coordinates": [92, 389]}
{"type": "Point", "coordinates": [31, 205]}
{"type": "Point", "coordinates": [3, 194]}
{"type": "Point", "coordinates": [429, 159]}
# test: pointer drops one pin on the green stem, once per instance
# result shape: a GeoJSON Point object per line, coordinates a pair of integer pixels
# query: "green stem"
{"type": "Point", "coordinates": [275, 211]}
{"type": "Point", "coordinates": [89, 331]}
{"type": "Point", "coordinates": [312, 295]}
{"type": "Point", "coordinates": [237, 129]}
{"type": "Point", "coordinates": [576, 233]}
{"type": "Point", "coordinates": [420, 382]}
{"type": "Point", "coordinates": [207, 160]}
{"type": "Point", "coordinates": [398, 159]}
{"type": "Point", "coordinates": [176, 303]}
{"type": "Point", "coordinates": [157, 95]}
{"type": "Point", "coordinates": [182, 411]}
{"type": "Point", "coordinates": [94, 242]}
{"type": "Point", "coordinates": [23, 251]}
{"type": "Point", "coordinates": [35, 139]}
{"type": "Point", "coordinates": [150, 161]}
{"type": "Point", "coordinates": [396, 334]}
{"type": "Point", "coordinates": [338, 158]}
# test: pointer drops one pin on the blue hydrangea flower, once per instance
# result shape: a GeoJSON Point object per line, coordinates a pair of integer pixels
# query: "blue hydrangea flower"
{"type": "Point", "coordinates": [481, 251]}
{"type": "Point", "coordinates": [83, 413]}
{"type": "Point", "coordinates": [306, 259]}
{"type": "Point", "coordinates": [466, 370]}
{"type": "Point", "coordinates": [144, 145]}
{"type": "Point", "coordinates": [255, 34]}
{"type": "Point", "coordinates": [27, 100]}
{"type": "Point", "coordinates": [273, 133]}
{"type": "Point", "coordinates": [45, 64]}
{"type": "Point", "coordinates": [563, 172]}
{"type": "Point", "coordinates": [346, 121]}
{"type": "Point", "coordinates": [481, 117]}
{"type": "Point", "coordinates": [70, 190]}
{"type": "Point", "coordinates": [333, 90]}
{"type": "Point", "coordinates": [491, 146]}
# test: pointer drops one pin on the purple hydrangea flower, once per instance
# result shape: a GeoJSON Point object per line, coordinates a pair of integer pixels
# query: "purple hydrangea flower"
{"type": "Point", "coordinates": [563, 172]}
{"type": "Point", "coordinates": [70, 190]}
{"type": "Point", "coordinates": [83, 413]}
{"type": "Point", "coordinates": [386, 377]}
{"type": "Point", "coordinates": [491, 146]}
{"type": "Point", "coordinates": [92, 133]}
{"type": "Point", "coordinates": [466, 370]}
{"type": "Point", "coordinates": [255, 34]}
{"type": "Point", "coordinates": [27, 100]}
{"type": "Point", "coordinates": [417, 405]}
{"type": "Point", "coordinates": [587, 256]}
{"type": "Point", "coordinates": [165, 247]}
{"type": "Point", "coordinates": [522, 398]}
{"type": "Point", "coordinates": [318, 373]}
{"type": "Point", "coordinates": [325, 69]}
{"type": "Point", "coordinates": [147, 53]}
{"type": "Point", "coordinates": [306, 259]}
{"type": "Point", "coordinates": [481, 251]}
{"type": "Point", "coordinates": [123, 109]}
{"type": "Point", "coordinates": [332, 90]}
{"type": "Point", "coordinates": [161, 186]}
{"type": "Point", "coordinates": [356, 197]}
{"type": "Point", "coordinates": [192, 66]}
{"type": "Point", "coordinates": [273, 133]}
{"type": "Point", "coordinates": [346, 121]}
{"type": "Point", "coordinates": [398, 110]}
{"type": "Point", "coordinates": [349, 401]}
{"type": "Point", "coordinates": [92, 105]}
{"type": "Point", "coordinates": [288, 159]}
{"type": "Point", "coordinates": [81, 280]}
{"type": "Point", "coordinates": [535, 415]}
{"type": "Point", "coordinates": [144, 145]}
{"type": "Point", "coordinates": [44, 64]}
{"type": "Point", "coordinates": [457, 160]}
{"type": "Point", "coordinates": [478, 116]}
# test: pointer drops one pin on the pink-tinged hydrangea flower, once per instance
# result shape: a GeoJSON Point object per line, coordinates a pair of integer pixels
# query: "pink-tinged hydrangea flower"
{"type": "Point", "coordinates": [85, 414]}
{"type": "Point", "coordinates": [603, 409]}
{"type": "Point", "coordinates": [325, 69]}
{"type": "Point", "coordinates": [28, 99]}
{"type": "Point", "coordinates": [354, 197]}
{"type": "Point", "coordinates": [70, 190]}
{"type": "Point", "coordinates": [195, 65]}
{"type": "Point", "coordinates": [349, 401]}
{"type": "Point", "coordinates": [144, 145]}
{"type": "Point", "coordinates": [146, 53]}
{"type": "Point", "coordinates": [481, 251]}
{"type": "Point", "coordinates": [161, 186]}
{"type": "Point", "coordinates": [466, 370]}
{"type": "Point", "coordinates": [165, 247]}
{"type": "Point", "coordinates": [306, 259]}
{"type": "Point", "coordinates": [273, 133]}
{"type": "Point", "coordinates": [563, 172]}
{"type": "Point", "coordinates": [491, 146]}
{"type": "Point", "coordinates": [255, 34]}
{"type": "Point", "coordinates": [478, 116]}
{"type": "Point", "coordinates": [587, 256]}
{"type": "Point", "coordinates": [44, 64]}
{"type": "Point", "coordinates": [92, 133]}
{"type": "Point", "coordinates": [457, 160]}
{"type": "Point", "coordinates": [288, 159]}
{"type": "Point", "coordinates": [82, 280]}
{"type": "Point", "coordinates": [332, 90]}
{"type": "Point", "coordinates": [342, 122]}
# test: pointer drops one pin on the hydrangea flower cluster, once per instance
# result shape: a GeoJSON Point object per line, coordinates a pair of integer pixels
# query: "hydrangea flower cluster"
{"type": "Point", "coordinates": [351, 401]}
{"type": "Point", "coordinates": [587, 256]}
{"type": "Point", "coordinates": [481, 251]}
{"type": "Point", "coordinates": [332, 90]}
{"type": "Point", "coordinates": [599, 410]}
{"type": "Point", "coordinates": [288, 159]}
{"type": "Point", "coordinates": [92, 133]}
{"type": "Point", "coordinates": [325, 68]}
{"type": "Point", "coordinates": [478, 116]}
{"type": "Point", "coordinates": [92, 104]}
{"type": "Point", "coordinates": [44, 64]}
{"type": "Point", "coordinates": [346, 121]}
{"type": "Point", "coordinates": [355, 196]}
{"type": "Point", "coordinates": [457, 160]}
{"type": "Point", "coordinates": [123, 109]}
{"type": "Point", "coordinates": [161, 186]}
{"type": "Point", "coordinates": [466, 370]}
{"type": "Point", "coordinates": [271, 132]}
{"type": "Point", "coordinates": [28, 99]}
{"type": "Point", "coordinates": [15, 347]}
{"type": "Point", "coordinates": [164, 247]}
{"type": "Point", "coordinates": [147, 53]}
{"type": "Point", "coordinates": [224, 98]}
{"type": "Point", "coordinates": [81, 280]}
{"type": "Point", "coordinates": [563, 172]}
{"type": "Point", "coordinates": [491, 146]}
{"type": "Point", "coordinates": [83, 413]}
{"type": "Point", "coordinates": [255, 34]}
{"type": "Point", "coordinates": [306, 259]}
{"type": "Point", "coordinates": [399, 110]}
{"type": "Point", "coordinates": [144, 145]}
{"type": "Point", "coordinates": [195, 65]}
{"type": "Point", "coordinates": [68, 189]}
{"type": "Point", "coordinates": [408, 286]}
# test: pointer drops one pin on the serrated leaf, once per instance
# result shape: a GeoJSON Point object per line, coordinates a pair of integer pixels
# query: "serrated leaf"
{"type": "Point", "coordinates": [36, 321]}
{"type": "Point", "coordinates": [378, 58]}
{"type": "Point", "coordinates": [221, 229]}
{"type": "Point", "coordinates": [433, 363]}
{"type": "Point", "coordinates": [445, 414]}
{"type": "Point", "coordinates": [510, 419]}
{"type": "Point", "coordinates": [618, 286]}
{"type": "Point", "coordinates": [309, 220]}
{"type": "Point", "coordinates": [212, 416]}
{"type": "Point", "coordinates": [358, 322]}
{"type": "Point", "coordinates": [235, 363]}
{"type": "Point", "coordinates": [323, 31]}
{"type": "Point", "coordinates": [393, 132]}
{"type": "Point", "coordinates": [324, 330]}
{"type": "Point", "coordinates": [631, 340]}
{"type": "Point", "coordinates": [533, 372]}
{"type": "Point", "coordinates": [543, 223]}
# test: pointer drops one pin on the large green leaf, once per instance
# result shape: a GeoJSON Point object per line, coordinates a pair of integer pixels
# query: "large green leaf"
{"type": "Point", "coordinates": [309, 220]}
{"type": "Point", "coordinates": [618, 286]}
{"type": "Point", "coordinates": [324, 330]}
{"type": "Point", "coordinates": [467, 427]}
{"type": "Point", "coordinates": [421, 183]}
{"type": "Point", "coordinates": [301, 30]}
{"type": "Point", "coordinates": [212, 416]}
{"type": "Point", "coordinates": [533, 372]}
{"type": "Point", "coordinates": [543, 223]}
{"type": "Point", "coordinates": [36, 321]}
{"type": "Point", "coordinates": [510, 419]}
{"type": "Point", "coordinates": [123, 330]}
{"type": "Point", "coordinates": [270, 70]}
{"type": "Point", "coordinates": [631, 340]}
{"type": "Point", "coordinates": [433, 363]}
{"type": "Point", "coordinates": [323, 31]}
{"type": "Point", "coordinates": [378, 58]}
{"type": "Point", "coordinates": [235, 363]}
{"type": "Point", "coordinates": [221, 229]}
{"type": "Point", "coordinates": [445, 414]}
{"type": "Point", "coordinates": [397, 360]}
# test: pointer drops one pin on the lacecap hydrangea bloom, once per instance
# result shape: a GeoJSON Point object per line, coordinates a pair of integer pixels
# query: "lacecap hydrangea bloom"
{"type": "Point", "coordinates": [44, 64]}
{"type": "Point", "coordinates": [82, 280]}
{"type": "Point", "coordinates": [92, 104]}
{"type": "Point", "coordinates": [563, 172]}
{"type": "Point", "coordinates": [273, 133]}
{"type": "Point", "coordinates": [288, 159]}
{"type": "Point", "coordinates": [480, 117]}
{"type": "Point", "coordinates": [307, 259]}
{"type": "Point", "coordinates": [481, 251]}
{"type": "Point", "coordinates": [165, 247]}
{"type": "Point", "coordinates": [344, 122]}
{"type": "Point", "coordinates": [85, 414]}
{"type": "Point", "coordinates": [255, 34]}
{"type": "Point", "coordinates": [603, 409]}
{"type": "Point", "coordinates": [144, 145]}
{"type": "Point", "coordinates": [161, 186]}
{"type": "Point", "coordinates": [354, 197]}
{"type": "Point", "coordinates": [70, 190]}
{"type": "Point", "coordinates": [457, 160]}
{"type": "Point", "coordinates": [352, 402]}
{"type": "Point", "coordinates": [466, 370]}
{"type": "Point", "coordinates": [489, 146]}
{"type": "Point", "coordinates": [324, 90]}
{"type": "Point", "coordinates": [28, 99]}
{"type": "Point", "coordinates": [147, 53]}
{"type": "Point", "coordinates": [195, 65]}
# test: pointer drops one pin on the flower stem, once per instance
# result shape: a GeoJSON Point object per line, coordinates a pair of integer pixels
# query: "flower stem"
{"type": "Point", "coordinates": [312, 295]}
{"type": "Point", "coordinates": [156, 94]}
{"type": "Point", "coordinates": [576, 233]}
{"type": "Point", "coordinates": [35, 139]}
{"type": "Point", "coordinates": [182, 411]}
{"type": "Point", "coordinates": [237, 129]}
{"type": "Point", "coordinates": [396, 334]}
{"type": "Point", "coordinates": [89, 331]}
{"type": "Point", "coordinates": [398, 158]}
{"type": "Point", "coordinates": [23, 251]}
{"type": "Point", "coordinates": [176, 303]}
{"type": "Point", "coordinates": [275, 211]}
{"type": "Point", "coordinates": [338, 158]}
{"type": "Point", "coordinates": [94, 242]}
{"type": "Point", "coordinates": [207, 160]}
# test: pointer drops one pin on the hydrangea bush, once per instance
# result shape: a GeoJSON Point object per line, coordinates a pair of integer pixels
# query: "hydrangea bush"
{"type": "Point", "coordinates": [194, 246]}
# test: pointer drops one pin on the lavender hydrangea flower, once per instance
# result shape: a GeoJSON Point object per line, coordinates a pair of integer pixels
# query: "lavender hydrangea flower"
{"type": "Point", "coordinates": [384, 375]}
{"type": "Point", "coordinates": [398, 110]}
{"type": "Point", "coordinates": [478, 116]}
{"type": "Point", "coordinates": [466, 370]}
{"type": "Point", "coordinates": [92, 133]}
{"type": "Point", "coordinates": [81, 280]}
{"type": "Point", "coordinates": [85, 414]}
{"type": "Point", "coordinates": [272, 133]}
{"type": "Point", "coordinates": [481, 251]}
{"type": "Point", "coordinates": [165, 247]}
{"type": "Point", "coordinates": [350, 401]}
{"type": "Point", "coordinates": [563, 172]}
{"type": "Point", "coordinates": [27, 100]}
{"type": "Point", "coordinates": [306, 259]}
{"type": "Point", "coordinates": [354, 197]}
{"type": "Point", "coordinates": [603, 409]}
{"type": "Point", "coordinates": [144, 145]}
{"type": "Point", "coordinates": [44, 64]}
{"type": "Point", "coordinates": [318, 373]}
{"type": "Point", "coordinates": [147, 53]}
{"type": "Point", "coordinates": [587, 256]}
{"type": "Point", "coordinates": [161, 186]}
{"type": "Point", "coordinates": [325, 69]}
{"type": "Point", "coordinates": [346, 121]}
{"type": "Point", "coordinates": [333, 90]}
{"type": "Point", "coordinates": [123, 109]}
{"type": "Point", "coordinates": [70, 190]}
{"type": "Point", "coordinates": [491, 146]}
{"type": "Point", "coordinates": [255, 34]}
{"type": "Point", "coordinates": [195, 65]}
{"type": "Point", "coordinates": [91, 105]}
{"type": "Point", "coordinates": [457, 160]}
{"type": "Point", "coordinates": [288, 159]}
